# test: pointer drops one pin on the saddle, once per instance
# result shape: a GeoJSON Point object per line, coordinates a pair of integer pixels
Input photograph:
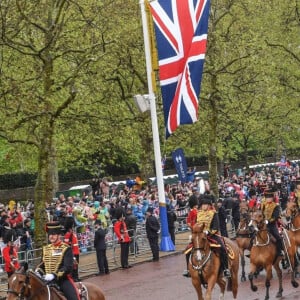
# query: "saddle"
{"type": "Point", "coordinates": [215, 245]}
{"type": "Point", "coordinates": [82, 290]}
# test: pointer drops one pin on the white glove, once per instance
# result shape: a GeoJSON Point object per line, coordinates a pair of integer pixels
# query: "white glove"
{"type": "Point", "coordinates": [206, 232]}
{"type": "Point", "coordinates": [37, 273]}
{"type": "Point", "coordinates": [49, 277]}
{"type": "Point", "coordinates": [266, 221]}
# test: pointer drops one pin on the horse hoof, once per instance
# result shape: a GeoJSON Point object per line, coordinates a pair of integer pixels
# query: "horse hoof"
{"type": "Point", "coordinates": [254, 288]}
{"type": "Point", "coordinates": [279, 295]}
{"type": "Point", "coordinates": [295, 284]}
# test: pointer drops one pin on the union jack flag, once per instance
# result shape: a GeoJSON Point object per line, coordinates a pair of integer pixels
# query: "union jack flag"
{"type": "Point", "coordinates": [181, 36]}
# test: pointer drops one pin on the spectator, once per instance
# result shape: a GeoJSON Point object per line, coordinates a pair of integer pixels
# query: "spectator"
{"type": "Point", "coordinates": [100, 246]}
{"type": "Point", "coordinates": [121, 232]}
{"type": "Point", "coordinates": [152, 229]}
{"type": "Point", "coordinates": [190, 174]}
{"type": "Point", "coordinates": [172, 218]}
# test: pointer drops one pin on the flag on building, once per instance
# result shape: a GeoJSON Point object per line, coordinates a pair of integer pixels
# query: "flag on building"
{"type": "Point", "coordinates": [181, 36]}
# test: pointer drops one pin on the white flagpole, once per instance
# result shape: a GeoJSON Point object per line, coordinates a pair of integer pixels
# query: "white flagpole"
{"type": "Point", "coordinates": [165, 240]}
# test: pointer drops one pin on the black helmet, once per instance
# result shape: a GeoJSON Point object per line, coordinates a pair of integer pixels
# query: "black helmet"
{"type": "Point", "coordinates": [193, 200]}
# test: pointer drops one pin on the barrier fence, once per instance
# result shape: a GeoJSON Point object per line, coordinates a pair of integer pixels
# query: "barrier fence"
{"type": "Point", "coordinates": [139, 247]}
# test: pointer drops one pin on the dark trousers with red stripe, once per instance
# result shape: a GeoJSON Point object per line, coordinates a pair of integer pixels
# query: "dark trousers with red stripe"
{"type": "Point", "coordinates": [68, 288]}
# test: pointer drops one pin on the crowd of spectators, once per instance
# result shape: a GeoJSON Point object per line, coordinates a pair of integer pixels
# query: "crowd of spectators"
{"type": "Point", "coordinates": [135, 196]}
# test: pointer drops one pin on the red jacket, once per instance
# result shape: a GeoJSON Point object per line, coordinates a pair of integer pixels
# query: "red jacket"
{"type": "Point", "coordinates": [192, 217]}
{"type": "Point", "coordinates": [121, 232]}
{"type": "Point", "coordinates": [70, 238]}
{"type": "Point", "coordinates": [10, 259]}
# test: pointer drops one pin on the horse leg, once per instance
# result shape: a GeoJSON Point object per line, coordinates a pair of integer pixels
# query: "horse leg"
{"type": "Point", "coordinates": [222, 284]}
{"type": "Point", "coordinates": [251, 276]}
{"type": "Point", "coordinates": [196, 282]}
{"type": "Point", "coordinates": [234, 279]}
{"type": "Point", "coordinates": [243, 276]}
{"type": "Point", "coordinates": [292, 257]}
{"type": "Point", "coordinates": [210, 285]}
{"type": "Point", "coordinates": [268, 280]}
{"type": "Point", "coordinates": [279, 275]}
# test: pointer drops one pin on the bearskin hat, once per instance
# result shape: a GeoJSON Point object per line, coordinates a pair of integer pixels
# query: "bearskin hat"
{"type": "Point", "coordinates": [193, 200]}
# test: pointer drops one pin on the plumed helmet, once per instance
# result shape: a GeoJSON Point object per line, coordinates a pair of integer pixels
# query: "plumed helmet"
{"type": "Point", "coordinates": [54, 228]}
{"type": "Point", "coordinates": [207, 199]}
{"type": "Point", "coordinates": [269, 194]}
{"type": "Point", "coordinates": [193, 200]}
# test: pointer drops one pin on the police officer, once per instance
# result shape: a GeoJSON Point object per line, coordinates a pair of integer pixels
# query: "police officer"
{"type": "Point", "coordinates": [209, 217]}
{"type": "Point", "coordinates": [271, 212]}
{"type": "Point", "coordinates": [57, 262]}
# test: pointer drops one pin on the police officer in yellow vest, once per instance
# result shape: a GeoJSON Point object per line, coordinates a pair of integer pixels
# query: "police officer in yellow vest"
{"type": "Point", "coordinates": [207, 215]}
{"type": "Point", "coordinates": [271, 212]}
{"type": "Point", "coordinates": [57, 262]}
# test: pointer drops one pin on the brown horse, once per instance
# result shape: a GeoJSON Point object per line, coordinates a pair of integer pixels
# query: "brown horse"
{"type": "Point", "coordinates": [293, 218]}
{"type": "Point", "coordinates": [244, 237]}
{"type": "Point", "coordinates": [204, 265]}
{"type": "Point", "coordinates": [27, 285]}
{"type": "Point", "coordinates": [264, 254]}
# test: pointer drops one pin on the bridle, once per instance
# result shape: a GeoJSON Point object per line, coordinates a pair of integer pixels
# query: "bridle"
{"type": "Point", "coordinates": [199, 253]}
{"type": "Point", "coordinates": [21, 295]}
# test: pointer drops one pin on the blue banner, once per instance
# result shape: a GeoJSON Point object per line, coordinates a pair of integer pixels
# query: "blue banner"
{"type": "Point", "coordinates": [180, 164]}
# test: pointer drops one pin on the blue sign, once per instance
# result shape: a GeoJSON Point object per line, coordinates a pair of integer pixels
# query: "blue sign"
{"type": "Point", "coordinates": [180, 164]}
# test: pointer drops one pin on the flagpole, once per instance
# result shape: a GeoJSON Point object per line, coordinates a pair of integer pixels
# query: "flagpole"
{"type": "Point", "coordinates": [166, 242]}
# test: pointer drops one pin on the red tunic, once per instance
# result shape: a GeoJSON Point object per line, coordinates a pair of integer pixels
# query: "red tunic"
{"type": "Point", "coordinates": [10, 259]}
{"type": "Point", "coordinates": [121, 232]}
{"type": "Point", "coordinates": [192, 217]}
{"type": "Point", "coordinates": [71, 239]}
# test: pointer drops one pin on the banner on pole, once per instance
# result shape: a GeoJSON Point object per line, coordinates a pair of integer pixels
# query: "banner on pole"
{"type": "Point", "coordinates": [180, 164]}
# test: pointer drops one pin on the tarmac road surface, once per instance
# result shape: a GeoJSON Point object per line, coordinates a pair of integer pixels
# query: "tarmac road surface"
{"type": "Point", "coordinates": [163, 280]}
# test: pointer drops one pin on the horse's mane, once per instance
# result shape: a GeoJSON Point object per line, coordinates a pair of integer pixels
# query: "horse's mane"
{"type": "Point", "coordinates": [30, 273]}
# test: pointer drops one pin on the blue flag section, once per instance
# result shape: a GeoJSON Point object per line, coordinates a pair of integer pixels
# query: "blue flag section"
{"type": "Point", "coordinates": [180, 164]}
{"type": "Point", "coordinates": [181, 35]}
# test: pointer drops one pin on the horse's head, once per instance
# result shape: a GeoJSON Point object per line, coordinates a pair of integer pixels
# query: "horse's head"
{"type": "Point", "coordinates": [199, 239]}
{"type": "Point", "coordinates": [18, 285]}
{"type": "Point", "coordinates": [257, 221]}
{"type": "Point", "coordinates": [291, 210]}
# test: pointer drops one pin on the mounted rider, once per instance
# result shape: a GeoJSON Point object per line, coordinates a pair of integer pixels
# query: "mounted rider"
{"type": "Point", "coordinates": [297, 192]}
{"type": "Point", "coordinates": [208, 216]}
{"type": "Point", "coordinates": [271, 212]}
{"type": "Point", "coordinates": [57, 262]}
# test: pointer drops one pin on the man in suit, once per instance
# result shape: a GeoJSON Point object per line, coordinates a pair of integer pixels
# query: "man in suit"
{"type": "Point", "coordinates": [100, 246]}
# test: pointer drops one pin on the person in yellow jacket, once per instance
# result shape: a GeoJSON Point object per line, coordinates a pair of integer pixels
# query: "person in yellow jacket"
{"type": "Point", "coordinates": [208, 216]}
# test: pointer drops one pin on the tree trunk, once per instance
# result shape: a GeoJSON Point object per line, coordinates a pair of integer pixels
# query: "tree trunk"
{"type": "Point", "coordinates": [45, 184]}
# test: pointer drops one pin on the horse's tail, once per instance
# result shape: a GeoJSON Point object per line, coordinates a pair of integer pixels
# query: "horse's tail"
{"type": "Point", "coordinates": [229, 284]}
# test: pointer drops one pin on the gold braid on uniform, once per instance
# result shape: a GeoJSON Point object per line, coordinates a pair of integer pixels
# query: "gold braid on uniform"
{"type": "Point", "coordinates": [268, 210]}
{"type": "Point", "coordinates": [205, 217]}
{"type": "Point", "coordinates": [52, 261]}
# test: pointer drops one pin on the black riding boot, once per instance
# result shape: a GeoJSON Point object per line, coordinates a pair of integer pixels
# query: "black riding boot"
{"type": "Point", "coordinates": [224, 264]}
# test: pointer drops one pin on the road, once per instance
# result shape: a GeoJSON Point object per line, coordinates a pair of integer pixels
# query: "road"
{"type": "Point", "coordinates": [163, 281]}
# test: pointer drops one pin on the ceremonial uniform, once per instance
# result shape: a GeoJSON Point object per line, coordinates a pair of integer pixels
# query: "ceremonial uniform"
{"type": "Point", "coordinates": [209, 218]}
{"type": "Point", "coordinates": [71, 239]}
{"type": "Point", "coordinates": [297, 192]}
{"type": "Point", "coordinates": [271, 212]}
{"type": "Point", "coordinates": [121, 232]}
{"type": "Point", "coordinates": [190, 221]}
{"type": "Point", "coordinates": [57, 263]}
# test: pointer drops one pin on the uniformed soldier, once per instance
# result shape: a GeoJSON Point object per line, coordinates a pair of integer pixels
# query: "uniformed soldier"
{"type": "Point", "coordinates": [190, 221]}
{"type": "Point", "coordinates": [209, 217]}
{"type": "Point", "coordinates": [271, 212]}
{"type": "Point", "coordinates": [57, 262]}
